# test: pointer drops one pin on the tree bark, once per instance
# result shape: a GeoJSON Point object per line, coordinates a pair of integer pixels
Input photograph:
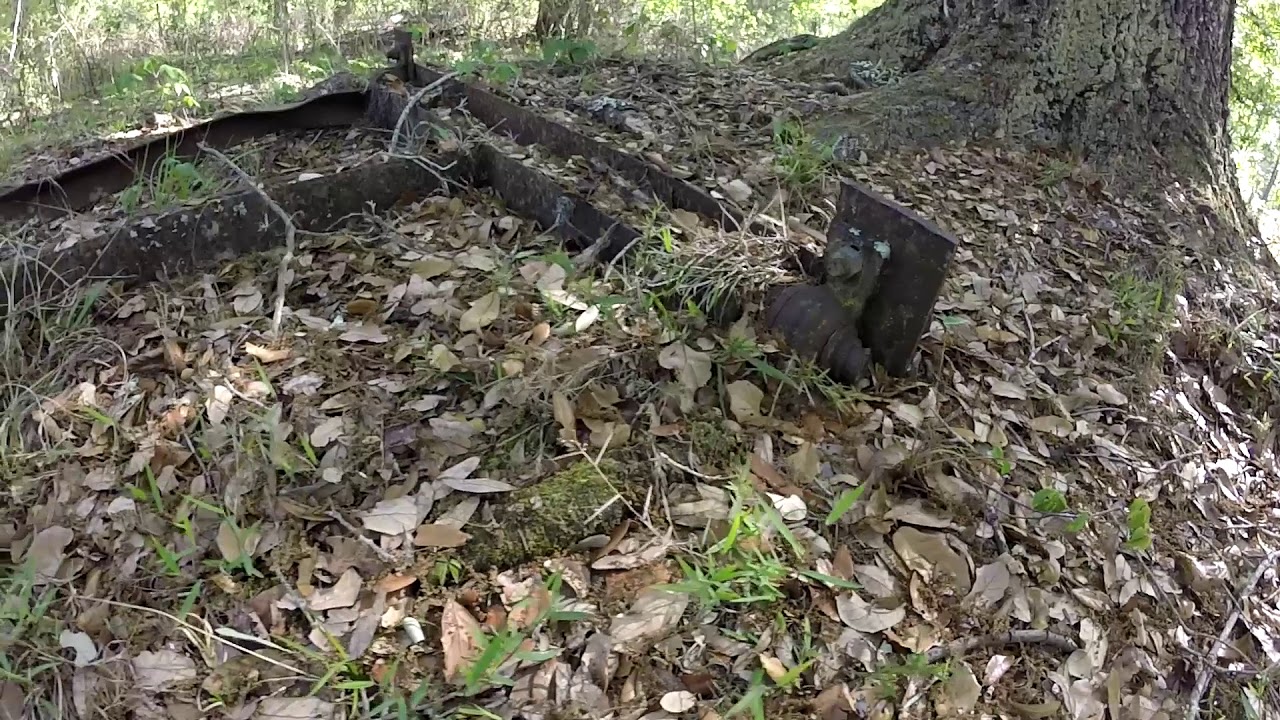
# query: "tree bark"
{"type": "Point", "coordinates": [1110, 79]}
{"type": "Point", "coordinates": [1264, 195]}
{"type": "Point", "coordinates": [552, 18]}
{"type": "Point", "coordinates": [284, 23]}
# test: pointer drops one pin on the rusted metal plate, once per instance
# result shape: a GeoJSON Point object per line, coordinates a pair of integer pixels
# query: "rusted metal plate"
{"type": "Point", "coordinates": [899, 310]}
{"type": "Point", "coordinates": [193, 239]}
{"type": "Point", "coordinates": [523, 189]}
{"type": "Point", "coordinates": [83, 186]}
{"type": "Point", "coordinates": [528, 128]}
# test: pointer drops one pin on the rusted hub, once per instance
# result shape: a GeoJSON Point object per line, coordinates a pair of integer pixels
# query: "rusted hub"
{"type": "Point", "coordinates": [813, 322]}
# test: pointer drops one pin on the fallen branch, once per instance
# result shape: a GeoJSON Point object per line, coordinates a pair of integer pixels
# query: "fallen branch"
{"type": "Point", "coordinates": [282, 275]}
{"type": "Point", "coordinates": [413, 102]}
{"type": "Point", "coordinates": [1013, 637]}
{"type": "Point", "coordinates": [383, 555]}
{"type": "Point", "coordinates": [1202, 679]}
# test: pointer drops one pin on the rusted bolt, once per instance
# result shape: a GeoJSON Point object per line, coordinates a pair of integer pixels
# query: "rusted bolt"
{"type": "Point", "coordinates": [817, 327]}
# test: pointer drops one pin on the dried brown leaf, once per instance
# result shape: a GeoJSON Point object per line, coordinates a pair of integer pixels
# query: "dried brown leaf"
{"type": "Point", "coordinates": [459, 634]}
{"type": "Point", "coordinates": [162, 669]}
{"type": "Point", "coordinates": [265, 354]}
{"type": "Point", "coordinates": [392, 517]}
{"type": "Point", "coordinates": [480, 314]}
{"type": "Point", "coordinates": [343, 594]}
{"type": "Point", "coordinates": [365, 333]}
{"type": "Point", "coordinates": [440, 536]}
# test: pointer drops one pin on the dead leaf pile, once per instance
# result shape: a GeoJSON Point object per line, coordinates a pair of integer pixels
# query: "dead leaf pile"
{"type": "Point", "coordinates": [470, 463]}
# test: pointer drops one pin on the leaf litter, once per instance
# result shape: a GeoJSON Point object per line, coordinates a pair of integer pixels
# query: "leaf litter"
{"type": "Point", "coordinates": [263, 527]}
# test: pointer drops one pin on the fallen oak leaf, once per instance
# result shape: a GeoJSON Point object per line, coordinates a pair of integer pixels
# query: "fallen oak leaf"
{"type": "Point", "coordinates": [481, 313]}
{"type": "Point", "coordinates": [477, 485]}
{"type": "Point", "coordinates": [459, 633]}
{"type": "Point", "coordinates": [866, 617]}
{"type": "Point", "coordinates": [365, 333]}
{"type": "Point", "coordinates": [442, 358]}
{"type": "Point", "coordinates": [360, 307]}
{"type": "Point", "coordinates": [678, 701]}
{"type": "Point", "coordinates": [744, 399]}
{"type": "Point", "coordinates": [435, 535]}
{"type": "Point", "coordinates": [392, 517]}
{"type": "Point", "coordinates": [692, 367]}
{"type": "Point", "coordinates": [326, 432]}
{"type": "Point", "coordinates": [1111, 395]}
{"type": "Point", "coordinates": [162, 669]}
{"type": "Point", "coordinates": [462, 469]}
{"type": "Point", "coordinates": [266, 355]}
{"type": "Point", "coordinates": [294, 708]}
{"type": "Point", "coordinates": [1004, 389]}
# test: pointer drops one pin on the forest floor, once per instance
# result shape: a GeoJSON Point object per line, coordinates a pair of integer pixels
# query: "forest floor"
{"type": "Point", "coordinates": [1055, 516]}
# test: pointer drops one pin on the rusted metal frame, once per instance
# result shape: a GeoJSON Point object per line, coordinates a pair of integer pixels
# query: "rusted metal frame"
{"type": "Point", "coordinates": [193, 239]}
{"type": "Point", "coordinates": [81, 187]}
{"type": "Point", "coordinates": [528, 128]}
{"type": "Point", "coordinates": [523, 189]}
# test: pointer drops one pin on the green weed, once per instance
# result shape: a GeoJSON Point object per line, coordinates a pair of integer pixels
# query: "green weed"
{"type": "Point", "coordinates": [172, 181]}
{"type": "Point", "coordinates": [152, 79]}
{"type": "Point", "coordinates": [568, 52]}
{"type": "Point", "coordinates": [486, 61]}
{"type": "Point", "coordinates": [1141, 311]}
{"type": "Point", "coordinates": [28, 634]}
{"type": "Point", "coordinates": [801, 160]}
{"type": "Point", "coordinates": [888, 679]}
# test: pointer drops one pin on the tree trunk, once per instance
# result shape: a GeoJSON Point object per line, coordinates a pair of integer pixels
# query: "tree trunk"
{"type": "Point", "coordinates": [552, 18]}
{"type": "Point", "coordinates": [1264, 195]}
{"type": "Point", "coordinates": [1109, 79]}
{"type": "Point", "coordinates": [18, 19]}
{"type": "Point", "coordinates": [284, 22]}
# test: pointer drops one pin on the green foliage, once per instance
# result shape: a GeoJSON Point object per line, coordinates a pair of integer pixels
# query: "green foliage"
{"type": "Point", "coordinates": [1049, 500]}
{"type": "Point", "coordinates": [486, 60]}
{"type": "Point", "coordinates": [569, 51]}
{"type": "Point", "coordinates": [1138, 524]}
{"type": "Point", "coordinates": [1255, 94]}
{"type": "Point", "coordinates": [25, 627]}
{"type": "Point", "coordinates": [801, 160]}
{"type": "Point", "coordinates": [172, 181]}
{"type": "Point", "coordinates": [1004, 466]}
{"type": "Point", "coordinates": [1141, 310]}
{"type": "Point", "coordinates": [845, 503]}
{"type": "Point", "coordinates": [915, 666]}
{"type": "Point", "coordinates": [719, 48]}
{"type": "Point", "coordinates": [151, 78]}
{"type": "Point", "coordinates": [744, 568]}
{"type": "Point", "coordinates": [498, 648]}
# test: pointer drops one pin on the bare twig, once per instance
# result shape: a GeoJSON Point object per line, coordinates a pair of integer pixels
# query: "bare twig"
{"type": "Point", "coordinates": [1202, 679]}
{"type": "Point", "coordinates": [282, 275]}
{"type": "Point", "coordinates": [385, 556]}
{"type": "Point", "coordinates": [711, 478]}
{"type": "Point", "coordinates": [413, 102]}
{"type": "Point", "coordinates": [1013, 637]}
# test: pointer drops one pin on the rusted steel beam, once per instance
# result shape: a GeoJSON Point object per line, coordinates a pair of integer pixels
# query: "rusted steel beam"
{"type": "Point", "coordinates": [194, 239]}
{"type": "Point", "coordinates": [528, 128]}
{"type": "Point", "coordinates": [85, 185]}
